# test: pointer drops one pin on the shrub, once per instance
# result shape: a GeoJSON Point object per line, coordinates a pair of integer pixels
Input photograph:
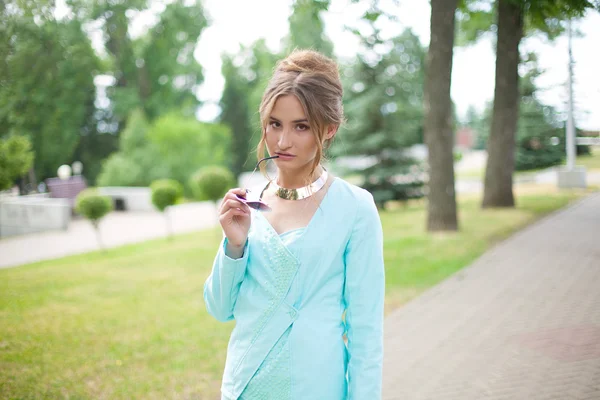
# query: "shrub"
{"type": "Point", "coordinates": [16, 157]}
{"type": "Point", "coordinates": [93, 206]}
{"type": "Point", "coordinates": [211, 183]}
{"type": "Point", "coordinates": [165, 193]}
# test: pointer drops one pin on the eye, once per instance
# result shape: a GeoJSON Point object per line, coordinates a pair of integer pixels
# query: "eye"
{"type": "Point", "coordinates": [302, 127]}
{"type": "Point", "coordinates": [275, 124]}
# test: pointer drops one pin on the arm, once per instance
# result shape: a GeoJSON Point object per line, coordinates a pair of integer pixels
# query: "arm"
{"type": "Point", "coordinates": [223, 284]}
{"type": "Point", "coordinates": [364, 291]}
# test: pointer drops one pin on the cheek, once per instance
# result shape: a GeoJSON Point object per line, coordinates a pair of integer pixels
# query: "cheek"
{"type": "Point", "coordinates": [270, 137]}
{"type": "Point", "coordinates": [309, 144]}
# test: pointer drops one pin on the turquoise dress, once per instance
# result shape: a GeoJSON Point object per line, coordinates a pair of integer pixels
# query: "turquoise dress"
{"type": "Point", "coordinates": [288, 294]}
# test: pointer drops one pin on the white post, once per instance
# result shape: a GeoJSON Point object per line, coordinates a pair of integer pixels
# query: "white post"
{"type": "Point", "coordinates": [571, 149]}
{"type": "Point", "coordinates": [571, 176]}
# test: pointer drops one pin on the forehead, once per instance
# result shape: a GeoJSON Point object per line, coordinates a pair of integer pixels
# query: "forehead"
{"type": "Point", "coordinates": [288, 107]}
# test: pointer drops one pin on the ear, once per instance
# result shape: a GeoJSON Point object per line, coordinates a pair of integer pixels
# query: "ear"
{"type": "Point", "coordinates": [331, 131]}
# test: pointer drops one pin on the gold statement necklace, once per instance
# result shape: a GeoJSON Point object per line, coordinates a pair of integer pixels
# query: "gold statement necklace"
{"type": "Point", "coordinates": [298, 193]}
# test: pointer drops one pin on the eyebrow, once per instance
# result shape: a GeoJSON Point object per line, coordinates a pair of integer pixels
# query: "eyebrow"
{"type": "Point", "coordinates": [295, 121]}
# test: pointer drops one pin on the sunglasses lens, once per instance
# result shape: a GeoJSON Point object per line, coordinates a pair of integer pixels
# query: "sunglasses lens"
{"type": "Point", "coordinates": [258, 205]}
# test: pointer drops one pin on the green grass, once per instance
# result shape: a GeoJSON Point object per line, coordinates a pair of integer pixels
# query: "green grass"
{"type": "Point", "coordinates": [130, 323]}
{"type": "Point", "coordinates": [591, 162]}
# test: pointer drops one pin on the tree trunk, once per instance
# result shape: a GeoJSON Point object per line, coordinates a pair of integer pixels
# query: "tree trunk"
{"type": "Point", "coordinates": [501, 143]}
{"type": "Point", "coordinates": [168, 224]}
{"type": "Point", "coordinates": [439, 136]}
{"type": "Point", "coordinates": [98, 236]}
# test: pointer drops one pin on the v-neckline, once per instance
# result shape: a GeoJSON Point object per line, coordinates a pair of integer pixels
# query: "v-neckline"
{"type": "Point", "coordinates": [310, 223]}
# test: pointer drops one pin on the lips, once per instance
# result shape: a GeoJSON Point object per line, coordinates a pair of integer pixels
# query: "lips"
{"type": "Point", "coordinates": [285, 155]}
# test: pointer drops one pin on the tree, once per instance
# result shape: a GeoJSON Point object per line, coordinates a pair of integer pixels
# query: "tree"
{"type": "Point", "coordinates": [246, 77]}
{"type": "Point", "coordinates": [166, 193]}
{"type": "Point", "coordinates": [185, 145]}
{"type": "Point", "coordinates": [306, 27]}
{"type": "Point", "coordinates": [94, 207]}
{"type": "Point", "coordinates": [538, 124]}
{"type": "Point", "coordinates": [439, 133]}
{"type": "Point", "coordinates": [383, 103]}
{"type": "Point", "coordinates": [135, 164]}
{"type": "Point", "coordinates": [236, 114]}
{"type": "Point", "coordinates": [156, 71]}
{"type": "Point", "coordinates": [51, 100]}
{"type": "Point", "coordinates": [16, 158]}
{"type": "Point", "coordinates": [515, 19]}
{"type": "Point", "coordinates": [501, 143]}
{"type": "Point", "coordinates": [168, 72]}
{"type": "Point", "coordinates": [538, 127]}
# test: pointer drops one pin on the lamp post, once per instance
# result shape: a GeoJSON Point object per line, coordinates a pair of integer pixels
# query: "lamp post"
{"type": "Point", "coordinates": [571, 149]}
{"type": "Point", "coordinates": [571, 176]}
{"type": "Point", "coordinates": [77, 167]}
{"type": "Point", "coordinates": [64, 172]}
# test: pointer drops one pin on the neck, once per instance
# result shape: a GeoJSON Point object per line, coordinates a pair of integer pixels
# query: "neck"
{"type": "Point", "coordinates": [294, 179]}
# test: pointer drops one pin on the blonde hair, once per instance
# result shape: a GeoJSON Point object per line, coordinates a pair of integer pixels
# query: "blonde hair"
{"type": "Point", "coordinates": [315, 81]}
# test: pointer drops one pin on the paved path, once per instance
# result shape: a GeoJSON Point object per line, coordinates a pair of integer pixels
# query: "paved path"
{"type": "Point", "coordinates": [117, 228]}
{"type": "Point", "coordinates": [520, 323]}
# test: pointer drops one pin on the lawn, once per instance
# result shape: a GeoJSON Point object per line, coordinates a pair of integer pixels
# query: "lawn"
{"type": "Point", "coordinates": [590, 162]}
{"type": "Point", "coordinates": [131, 324]}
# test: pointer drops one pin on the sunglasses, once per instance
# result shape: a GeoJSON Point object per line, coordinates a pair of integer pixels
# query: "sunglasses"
{"type": "Point", "coordinates": [256, 204]}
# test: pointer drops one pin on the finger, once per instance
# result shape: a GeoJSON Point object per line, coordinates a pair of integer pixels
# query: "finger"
{"type": "Point", "coordinates": [227, 199]}
{"type": "Point", "coordinates": [231, 196]}
{"type": "Point", "coordinates": [227, 216]}
{"type": "Point", "coordinates": [238, 191]}
{"type": "Point", "coordinates": [233, 203]}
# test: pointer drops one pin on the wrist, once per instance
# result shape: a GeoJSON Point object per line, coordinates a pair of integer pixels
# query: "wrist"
{"type": "Point", "coordinates": [234, 251]}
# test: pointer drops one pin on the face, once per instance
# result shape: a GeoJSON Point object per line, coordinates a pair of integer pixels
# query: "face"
{"type": "Point", "coordinates": [289, 135]}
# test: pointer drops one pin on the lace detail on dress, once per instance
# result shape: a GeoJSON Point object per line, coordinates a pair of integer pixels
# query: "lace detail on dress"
{"type": "Point", "coordinates": [273, 379]}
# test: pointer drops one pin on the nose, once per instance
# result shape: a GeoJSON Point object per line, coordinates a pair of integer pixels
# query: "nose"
{"type": "Point", "coordinates": [284, 141]}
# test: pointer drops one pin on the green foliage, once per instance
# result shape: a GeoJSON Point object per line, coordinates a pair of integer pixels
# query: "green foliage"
{"type": "Point", "coordinates": [173, 146]}
{"type": "Point", "coordinates": [383, 103]}
{"type": "Point", "coordinates": [168, 73]}
{"type": "Point", "coordinates": [211, 183]}
{"type": "Point", "coordinates": [47, 87]}
{"type": "Point", "coordinates": [165, 193]}
{"type": "Point", "coordinates": [534, 137]}
{"type": "Point", "coordinates": [156, 71]}
{"type": "Point", "coordinates": [306, 27]}
{"type": "Point", "coordinates": [246, 78]}
{"type": "Point", "coordinates": [185, 145]}
{"type": "Point", "coordinates": [16, 158]}
{"type": "Point", "coordinates": [476, 18]}
{"type": "Point", "coordinates": [235, 112]}
{"type": "Point", "coordinates": [538, 125]}
{"type": "Point", "coordinates": [92, 205]}
{"type": "Point", "coordinates": [135, 164]}
{"type": "Point", "coordinates": [118, 170]}
{"type": "Point", "coordinates": [457, 155]}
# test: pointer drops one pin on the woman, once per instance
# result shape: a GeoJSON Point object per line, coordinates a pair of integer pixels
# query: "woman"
{"type": "Point", "coordinates": [299, 278]}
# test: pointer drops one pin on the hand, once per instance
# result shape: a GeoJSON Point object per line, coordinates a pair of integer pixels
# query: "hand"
{"type": "Point", "coordinates": [234, 217]}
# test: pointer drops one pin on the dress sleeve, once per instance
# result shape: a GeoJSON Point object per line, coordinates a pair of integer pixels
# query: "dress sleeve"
{"type": "Point", "coordinates": [364, 292]}
{"type": "Point", "coordinates": [223, 284]}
